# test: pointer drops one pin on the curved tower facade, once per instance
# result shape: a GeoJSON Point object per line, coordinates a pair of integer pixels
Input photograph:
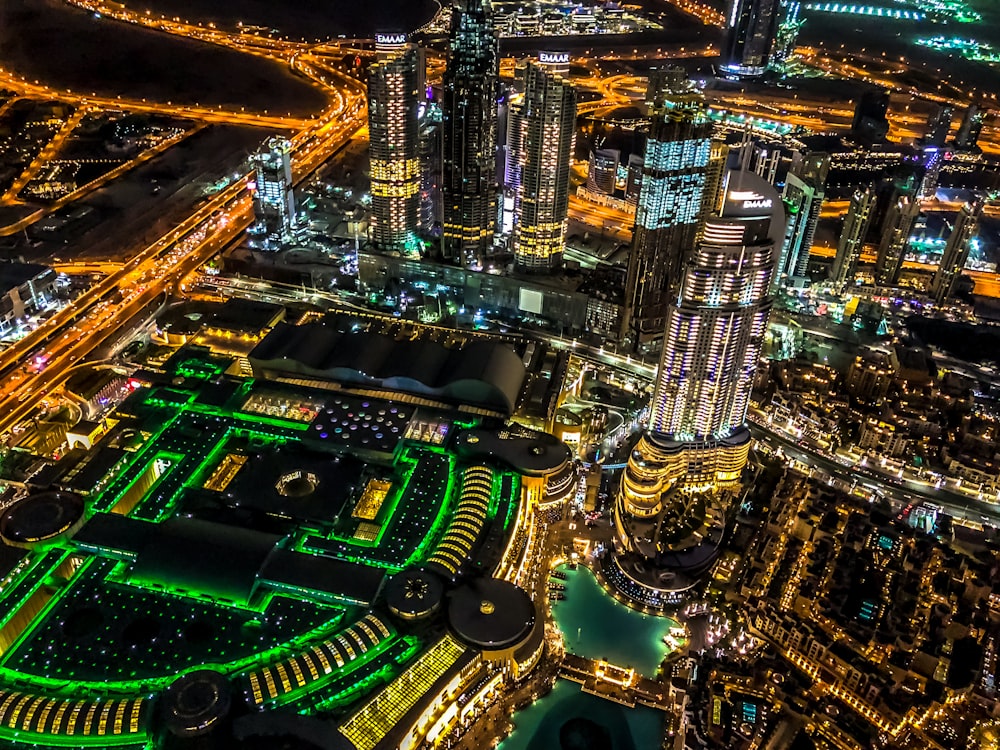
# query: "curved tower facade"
{"type": "Point", "coordinates": [697, 440]}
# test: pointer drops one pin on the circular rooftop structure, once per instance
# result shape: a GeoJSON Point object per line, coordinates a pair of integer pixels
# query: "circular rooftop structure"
{"type": "Point", "coordinates": [414, 594]}
{"type": "Point", "coordinates": [41, 516]}
{"type": "Point", "coordinates": [196, 702]}
{"type": "Point", "coordinates": [491, 614]}
{"type": "Point", "coordinates": [525, 451]}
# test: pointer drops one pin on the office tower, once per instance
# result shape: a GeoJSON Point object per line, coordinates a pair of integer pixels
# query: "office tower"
{"type": "Point", "coordinates": [933, 160]}
{"type": "Point", "coordinates": [273, 200]}
{"type": "Point", "coordinates": [633, 183]}
{"type": "Point", "coordinates": [395, 96]}
{"type": "Point", "coordinates": [602, 170]}
{"type": "Point", "coordinates": [870, 123]}
{"type": "Point", "coordinates": [939, 125]}
{"type": "Point", "coordinates": [542, 126]}
{"type": "Point", "coordinates": [895, 239]}
{"type": "Point", "coordinates": [697, 439]}
{"type": "Point", "coordinates": [805, 188]}
{"type": "Point", "coordinates": [788, 32]}
{"type": "Point", "coordinates": [430, 120]}
{"type": "Point", "coordinates": [968, 132]}
{"type": "Point", "coordinates": [750, 33]}
{"type": "Point", "coordinates": [469, 185]}
{"type": "Point", "coordinates": [662, 84]}
{"type": "Point", "coordinates": [956, 252]}
{"type": "Point", "coordinates": [670, 203]}
{"type": "Point", "coordinates": [852, 236]}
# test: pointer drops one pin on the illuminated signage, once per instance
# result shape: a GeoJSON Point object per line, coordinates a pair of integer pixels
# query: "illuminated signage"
{"type": "Point", "coordinates": [390, 39]}
{"type": "Point", "coordinates": [749, 199]}
{"type": "Point", "coordinates": [553, 58]}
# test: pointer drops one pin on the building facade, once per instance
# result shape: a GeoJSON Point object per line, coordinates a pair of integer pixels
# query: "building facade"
{"type": "Point", "coordinates": [273, 200]}
{"type": "Point", "coordinates": [751, 27]}
{"type": "Point", "coordinates": [542, 128]}
{"type": "Point", "coordinates": [852, 236]}
{"type": "Point", "coordinates": [672, 187]}
{"type": "Point", "coordinates": [805, 188]}
{"type": "Point", "coordinates": [956, 252]}
{"type": "Point", "coordinates": [469, 184]}
{"type": "Point", "coordinates": [895, 239]}
{"type": "Point", "coordinates": [395, 95]}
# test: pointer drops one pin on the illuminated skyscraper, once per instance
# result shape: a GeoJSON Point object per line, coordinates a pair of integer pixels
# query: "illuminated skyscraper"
{"type": "Point", "coordinates": [972, 125]}
{"type": "Point", "coordinates": [852, 236]}
{"type": "Point", "coordinates": [542, 126]}
{"type": "Point", "coordinates": [602, 170]}
{"type": "Point", "coordinates": [678, 149]}
{"type": "Point", "coordinates": [805, 188]}
{"type": "Point", "coordinates": [934, 159]}
{"type": "Point", "coordinates": [697, 440]}
{"type": "Point", "coordinates": [395, 93]}
{"type": "Point", "coordinates": [895, 239]}
{"type": "Point", "coordinates": [469, 188]}
{"type": "Point", "coordinates": [956, 252]}
{"type": "Point", "coordinates": [273, 200]}
{"type": "Point", "coordinates": [714, 332]}
{"type": "Point", "coordinates": [750, 33]}
{"type": "Point", "coordinates": [788, 32]}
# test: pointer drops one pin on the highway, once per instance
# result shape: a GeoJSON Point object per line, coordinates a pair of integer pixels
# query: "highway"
{"type": "Point", "coordinates": [33, 366]}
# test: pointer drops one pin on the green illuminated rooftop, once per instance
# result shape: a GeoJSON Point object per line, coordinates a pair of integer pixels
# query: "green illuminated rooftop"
{"type": "Point", "coordinates": [237, 535]}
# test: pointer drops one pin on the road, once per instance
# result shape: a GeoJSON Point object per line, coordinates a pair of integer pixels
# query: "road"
{"type": "Point", "coordinates": [33, 366]}
{"type": "Point", "coordinates": [904, 491]}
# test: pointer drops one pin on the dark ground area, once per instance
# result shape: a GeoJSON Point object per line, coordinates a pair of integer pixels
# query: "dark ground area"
{"type": "Point", "coordinates": [65, 47]}
{"type": "Point", "coordinates": [300, 19]}
{"type": "Point", "coordinates": [127, 214]}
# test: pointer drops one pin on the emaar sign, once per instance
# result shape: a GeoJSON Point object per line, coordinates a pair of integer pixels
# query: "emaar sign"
{"type": "Point", "coordinates": [553, 58]}
{"type": "Point", "coordinates": [390, 39]}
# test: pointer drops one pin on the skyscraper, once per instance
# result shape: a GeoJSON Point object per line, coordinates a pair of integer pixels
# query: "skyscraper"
{"type": "Point", "coordinates": [939, 125]}
{"type": "Point", "coordinates": [750, 33]}
{"type": "Point", "coordinates": [678, 148]}
{"type": "Point", "coordinates": [805, 188]}
{"type": "Point", "coordinates": [602, 171]}
{"type": "Point", "coordinates": [788, 32]}
{"type": "Point", "coordinates": [714, 333]}
{"type": "Point", "coordinates": [395, 93]}
{"type": "Point", "coordinates": [273, 200]}
{"type": "Point", "coordinates": [956, 252]}
{"type": "Point", "coordinates": [542, 126]}
{"type": "Point", "coordinates": [933, 161]}
{"type": "Point", "coordinates": [870, 123]}
{"type": "Point", "coordinates": [972, 125]}
{"type": "Point", "coordinates": [895, 239]}
{"type": "Point", "coordinates": [852, 236]}
{"type": "Point", "coordinates": [469, 189]}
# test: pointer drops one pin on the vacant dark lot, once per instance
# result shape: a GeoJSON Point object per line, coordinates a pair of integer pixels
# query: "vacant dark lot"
{"type": "Point", "coordinates": [65, 47]}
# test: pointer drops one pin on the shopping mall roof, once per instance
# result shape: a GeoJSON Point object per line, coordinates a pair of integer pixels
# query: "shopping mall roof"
{"type": "Point", "coordinates": [481, 373]}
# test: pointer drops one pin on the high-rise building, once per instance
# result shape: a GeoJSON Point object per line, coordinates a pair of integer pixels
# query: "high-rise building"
{"type": "Point", "coordinates": [697, 438]}
{"type": "Point", "coordinates": [852, 236]}
{"type": "Point", "coordinates": [805, 188]}
{"type": "Point", "coordinates": [968, 132]}
{"type": "Point", "coordinates": [956, 252]}
{"type": "Point", "coordinates": [670, 204]}
{"type": "Point", "coordinates": [395, 96]}
{"type": "Point", "coordinates": [602, 170]}
{"type": "Point", "coordinates": [750, 33]}
{"type": "Point", "coordinates": [469, 184]}
{"type": "Point", "coordinates": [788, 32]}
{"type": "Point", "coordinates": [273, 199]}
{"type": "Point", "coordinates": [895, 238]}
{"type": "Point", "coordinates": [933, 161]}
{"type": "Point", "coordinates": [939, 125]}
{"type": "Point", "coordinates": [870, 124]}
{"type": "Point", "coordinates": [633, 183]}
{"type": "Point", "coordinates": [542, 127]}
